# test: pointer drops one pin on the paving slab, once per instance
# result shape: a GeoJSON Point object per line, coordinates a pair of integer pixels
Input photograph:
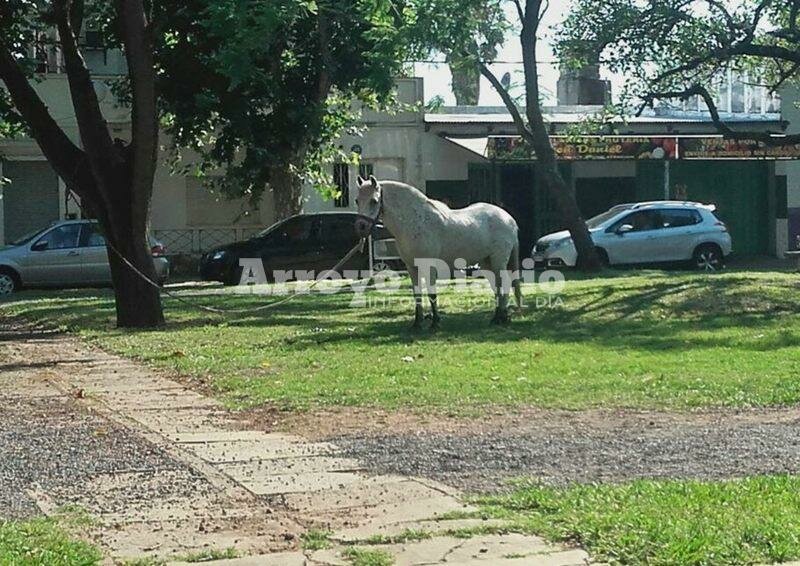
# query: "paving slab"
{"type": "Point", "coordinates": [439, 527]}
{"type": "Point", "coordinates": [158, 400]}
{"type": "Point", "coordinates": [231, 436]}
{"type": "Point", "coordinates": [249, 450]}
{"type": "Point", "coordinates": [253, 471]}
{"type": "Point", "coordinates": [277, 559]}
{"type": "Point", "coordinates": [493, 547]}
{"type": "Point", "coordinates": [119, 384]}
{"type": "Point", "coordinates": [302, 483]}
{"type": "Point", "coordinates": [374, 491]}
{"type": "Point", "coordinates": [181, 421]}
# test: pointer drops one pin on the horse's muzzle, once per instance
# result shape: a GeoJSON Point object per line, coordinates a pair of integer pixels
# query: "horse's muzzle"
{"type": "Point", "coordinates": [363, 226]}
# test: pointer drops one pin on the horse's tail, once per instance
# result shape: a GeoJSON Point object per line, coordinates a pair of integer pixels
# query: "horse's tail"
{"type": "Point", "coordinates": [514, 267]}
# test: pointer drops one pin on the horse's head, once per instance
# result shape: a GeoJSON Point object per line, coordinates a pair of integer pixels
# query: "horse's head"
{"type": "Point", "coordinates": [369, 205]}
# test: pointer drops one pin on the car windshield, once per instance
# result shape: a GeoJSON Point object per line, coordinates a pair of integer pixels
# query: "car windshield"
{"type": "Point", "coordinates": [268, 230]}
{"type": "Point", "coordinates": [607, 215]}
{"type": "Point", "coordinates": [27, 237]}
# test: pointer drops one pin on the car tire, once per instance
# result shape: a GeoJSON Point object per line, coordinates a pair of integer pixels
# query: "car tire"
{"type": "Point", "coordinates": [708, 257]}
{"type": "Point", "coordinates": [9, 281]}
{"type": "Point", "coordinates": [602, 255]}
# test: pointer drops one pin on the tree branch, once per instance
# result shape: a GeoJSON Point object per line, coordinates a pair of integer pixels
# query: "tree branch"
{"type": "Point", "coordinates": [91, 122]}
{"type": "Point", "coordinates": [722, 127]}
{"type": "Point", "coordinates": [520, 11]}
{"type": "Point", "coordinates": [519, 122]}
{"type": "Point", "coordinates": [64, 156]}
{"type": "Point", "coordinates": [323, 33]}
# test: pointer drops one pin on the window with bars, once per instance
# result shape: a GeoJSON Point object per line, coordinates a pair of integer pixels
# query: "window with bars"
{"type": "Point", "coordinates": [365, 170]}
{"type": "Point", "coordinates": [341, 178]}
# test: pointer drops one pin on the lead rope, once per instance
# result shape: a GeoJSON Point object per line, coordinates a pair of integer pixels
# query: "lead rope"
{"type": "Point", "coordinates": [357, 248]}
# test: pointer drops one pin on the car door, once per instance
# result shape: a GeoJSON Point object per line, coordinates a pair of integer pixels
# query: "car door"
{"type": "Point", "coordinates": [293, 245]}
{"type": "Point", "coordinates": [54, 258]}
{"type": "Point", "coordinates": [94, 254]}
{"type": "Point", "coordinates": [681, 226]}
{"type": "Point", "coordinates": [635, 238]}
{"type": "Point", "coordinates": [338, 236]}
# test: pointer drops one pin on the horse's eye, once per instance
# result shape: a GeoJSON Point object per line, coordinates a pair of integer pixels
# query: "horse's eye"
{"type": "Point", "coordinates": [356, 202]}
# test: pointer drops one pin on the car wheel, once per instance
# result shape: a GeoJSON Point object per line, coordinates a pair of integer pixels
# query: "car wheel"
{"type": "Point", "coordinates": [602, 255]}
{"type": "Point", "coordinates": [708, 257]}
{"type": "Point", "coordinates": [8, 282]}
{"type": "Point", "coordinates": [233, 277]}
{"type": "Point", "coordinates": [379, 266]}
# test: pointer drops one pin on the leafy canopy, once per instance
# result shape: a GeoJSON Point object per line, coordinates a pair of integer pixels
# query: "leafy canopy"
{"type": "Point", "coordinates": [681, 48]}
{"type": "Point", "coordinates": [253, 85]}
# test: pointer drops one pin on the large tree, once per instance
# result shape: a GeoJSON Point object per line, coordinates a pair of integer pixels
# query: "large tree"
{"type": "Point", "coordinates": [259, 89]}
{"type": "Point", "coordinates": [469, 38]}
{"type": "Point", "coordinates": [670, 50]}
{"type": "Point", "coordinates": [113, 178]}
{"type": "Point", "coordinates": [535, 133]}
{"type": "Point", "coordinates": [263, 89]}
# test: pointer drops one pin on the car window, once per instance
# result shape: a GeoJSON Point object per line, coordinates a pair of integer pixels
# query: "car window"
{"type": "Point", "coordinates": [676, 218]}
{"type": "Point", "coordinates": [596, 221]}
{"type": "Point", "coordinates": [338, 231]}
{"type": "Point", "coordinates": [299, 230]}
{"type": "Point", "coordinates": [61, 237]}
{"type": "Point", "coordinates": [91, 236]}
{"type": "Point", "coordinates": [641, 220]}
{"type": "Point", "coordinates": [27, 237]}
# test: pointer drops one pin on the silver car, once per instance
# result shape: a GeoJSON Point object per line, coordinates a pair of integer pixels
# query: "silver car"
{"type": "Point", "coordinates": [646, 232]}
{"type": "Point", "coordinates": [66, 253]}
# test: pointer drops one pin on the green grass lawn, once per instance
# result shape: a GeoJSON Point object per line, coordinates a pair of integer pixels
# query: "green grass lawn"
{"type": "Point", "coordinates": [749, 521]}
{"type": "Point", "coordinates": [41, 542]}
{"type": "Point", "coordinates": [638, 339]}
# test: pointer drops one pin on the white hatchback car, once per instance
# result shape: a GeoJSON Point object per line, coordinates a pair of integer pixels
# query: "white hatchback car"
{"type": "Point", "coordinates": [646, 232]}
{"type": "Point", "coordinates": [66, 253]}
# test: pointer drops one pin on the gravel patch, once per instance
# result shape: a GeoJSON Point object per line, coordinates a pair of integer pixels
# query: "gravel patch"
{"type": "Point", "coordinates": [54, 446]}
{"type": "Point", "coordinates": [587, 448]}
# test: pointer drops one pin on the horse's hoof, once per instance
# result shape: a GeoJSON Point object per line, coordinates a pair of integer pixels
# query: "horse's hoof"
{"type": "Point", "coordinates": [435, 324]}
{"type": "Point", "coordinates": [501, 319]}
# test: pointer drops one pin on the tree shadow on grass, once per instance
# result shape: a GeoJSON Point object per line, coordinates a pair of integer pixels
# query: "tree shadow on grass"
{"type": "Point", "coordinates": [665, 313]}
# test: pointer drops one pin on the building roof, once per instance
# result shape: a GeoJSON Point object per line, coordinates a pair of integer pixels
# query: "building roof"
{"type": "Point", "coordinates": [576, 114]}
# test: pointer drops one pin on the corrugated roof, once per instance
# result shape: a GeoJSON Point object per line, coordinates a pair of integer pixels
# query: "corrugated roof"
{"type": "Point", "coordinates": [573, 118]}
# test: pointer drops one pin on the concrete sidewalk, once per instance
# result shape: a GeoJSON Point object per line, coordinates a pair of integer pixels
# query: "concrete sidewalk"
{"type": "Point", "coordinates": [257, 492]}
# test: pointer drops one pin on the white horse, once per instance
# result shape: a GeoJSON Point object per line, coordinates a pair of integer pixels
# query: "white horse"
{"type": "Point", "coordinates": [481, 234]}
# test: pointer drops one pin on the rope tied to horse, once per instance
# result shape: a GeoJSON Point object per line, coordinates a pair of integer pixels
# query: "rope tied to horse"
{"type": "Point", "coordinates": [216, 310]}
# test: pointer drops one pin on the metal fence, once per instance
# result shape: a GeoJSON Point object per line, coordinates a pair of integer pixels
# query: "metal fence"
{"type": "Point", "coordinates": [195, 241]}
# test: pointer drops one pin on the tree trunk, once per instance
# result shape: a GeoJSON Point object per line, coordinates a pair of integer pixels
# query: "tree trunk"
{"type": "Point", "coordinates": [287, 189]}
{"type": "Point", "coordinates": [564, 197]}
{"type": "Point", "coordinates": [138, 303]}
{"type": "Point", "coordinates": [466, 80]}
{"type": "Point", "coordinates": [537, 135]}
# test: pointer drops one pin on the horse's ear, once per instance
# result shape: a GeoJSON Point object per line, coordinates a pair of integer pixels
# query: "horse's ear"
{"type": "Point", "coordinates": [374, 181]}
{"type": "Point", "coordinates": [361, 180]}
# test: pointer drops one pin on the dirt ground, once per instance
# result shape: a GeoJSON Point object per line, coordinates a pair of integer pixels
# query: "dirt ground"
{"type": "Point", "coordinates": [479, 453]}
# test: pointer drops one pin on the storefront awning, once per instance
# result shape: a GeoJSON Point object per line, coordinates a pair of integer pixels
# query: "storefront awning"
{"type": "Point", "coordinates": [569, 148]}
{"type": "Point", "coordinates": [478, 146]}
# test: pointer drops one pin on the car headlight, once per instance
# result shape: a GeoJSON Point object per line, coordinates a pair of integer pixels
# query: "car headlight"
{"type": "Point", "coordinates": [218, 255]}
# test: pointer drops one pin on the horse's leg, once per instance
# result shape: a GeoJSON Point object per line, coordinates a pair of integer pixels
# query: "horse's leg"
{"type": "Point", "coordinates": [434, 299]}
{"type": "Point", "coordinates": [500, 292]}
{"type": "Point", "coordinates": [417, 290]}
